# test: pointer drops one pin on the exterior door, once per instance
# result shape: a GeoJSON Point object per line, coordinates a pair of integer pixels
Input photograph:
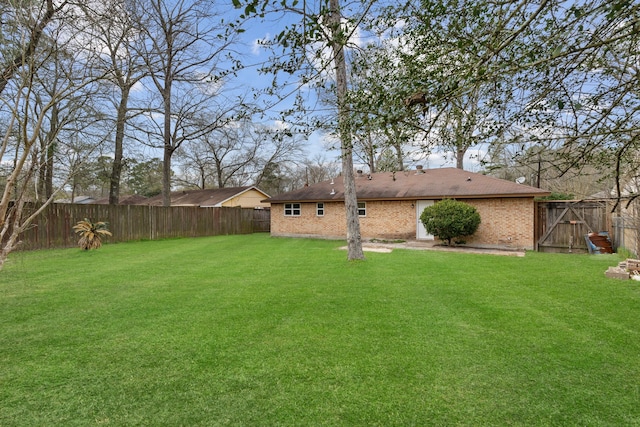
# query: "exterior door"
{"type": "Point", "coordinates": [421, 232]}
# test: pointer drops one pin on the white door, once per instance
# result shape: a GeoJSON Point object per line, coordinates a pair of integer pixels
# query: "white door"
{"type": "Point", "coordinates": [421, 233]}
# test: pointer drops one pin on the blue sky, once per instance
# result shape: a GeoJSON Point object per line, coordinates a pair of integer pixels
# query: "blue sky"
{"type": "Point", "coordinates": [317, 143]}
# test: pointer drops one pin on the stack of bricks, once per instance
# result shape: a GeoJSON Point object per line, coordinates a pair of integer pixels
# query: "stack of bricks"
{"type": "Point", "coordinates": [632, 265]}
{"type": "Point", "coordinates": [624, 270]}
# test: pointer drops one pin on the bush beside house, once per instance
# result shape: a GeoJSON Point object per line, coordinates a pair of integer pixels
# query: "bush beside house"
{"type": "Point", "coordinates": [449, 219]}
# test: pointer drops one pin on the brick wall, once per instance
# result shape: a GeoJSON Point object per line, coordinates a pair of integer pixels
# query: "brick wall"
{"type": "Point", "coordinates": [505, 222]}
{"type": "Point", "coordinates": [331, 225]}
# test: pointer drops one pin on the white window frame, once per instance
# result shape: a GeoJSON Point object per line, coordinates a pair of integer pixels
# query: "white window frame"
{"type": "Point", "coordinates": [320, 209]}
{"type": "Point", "coordinates": [362, 208]}
{"type": "Point", "coordinates": [292, 209]}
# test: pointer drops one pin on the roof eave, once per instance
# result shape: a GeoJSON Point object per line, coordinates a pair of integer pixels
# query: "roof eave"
{"type": "Point", "coordinates": [409, 198]}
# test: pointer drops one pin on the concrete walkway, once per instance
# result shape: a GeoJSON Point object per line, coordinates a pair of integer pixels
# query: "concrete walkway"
{"type": "Point", "coordinates": [385, 247]}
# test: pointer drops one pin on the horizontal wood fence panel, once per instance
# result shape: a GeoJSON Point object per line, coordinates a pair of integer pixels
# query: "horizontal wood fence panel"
{"type": "Point", "coordinates": [53, 228]}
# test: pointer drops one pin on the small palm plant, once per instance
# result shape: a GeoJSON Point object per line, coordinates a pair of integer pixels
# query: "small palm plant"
{"type": "Point", "coordinates": [91, 233]}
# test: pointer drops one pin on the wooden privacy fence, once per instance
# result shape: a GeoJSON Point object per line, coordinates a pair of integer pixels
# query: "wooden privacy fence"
{"type": "Point", "coordinates": [53, 227]}
{"type": "Point", "coordinates": [626, 225]}
{"type": "Point", "coordinates": [562, 225]}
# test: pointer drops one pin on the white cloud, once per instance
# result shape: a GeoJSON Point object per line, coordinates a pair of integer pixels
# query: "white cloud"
{"type": "Point", "coordinates": [138, 87]}
{"type": "Point", "coordinates": [281, 125]}
{"type": "Point", "coordinates": [258, 44]}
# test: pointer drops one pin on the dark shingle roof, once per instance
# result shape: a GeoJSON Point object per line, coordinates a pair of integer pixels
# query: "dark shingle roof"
{"type": "Point", "coordinates": [410, 185]}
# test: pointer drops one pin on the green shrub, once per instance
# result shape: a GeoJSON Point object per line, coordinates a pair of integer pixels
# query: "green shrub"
{"type": "Point", "coordinates": [557, 196]}
{"type": "Point", "coordinates": [626, 253]}
{"type": "Point", "coordinates": [449, 219]}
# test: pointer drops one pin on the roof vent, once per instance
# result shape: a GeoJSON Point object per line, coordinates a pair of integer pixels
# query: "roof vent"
{"type": "Point", "coordinates": [359, 171]}
{"type": "Point", "coordinates": [333, 191]}
{"type": "Point", "coordinates": [419, 170]}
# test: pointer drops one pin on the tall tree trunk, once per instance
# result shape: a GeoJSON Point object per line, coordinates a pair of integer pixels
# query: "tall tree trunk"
{"type": "Point", "coordinates": [168, 145]}
{"type": "Point", "coordinates": [166, 177]}
{"type": "Point", "coordinates": [354, 239]}
{"type": "Point", "coordinates": [42, 171]}
{"type": "Point", "coordinates": [52, 137]}
{"type": "Point", "coordinates": [74, 185]}
{"type": "Point", "coordinates": [219, 174]}
{"type": "Point", "coordinates": [371, 153]}
{"type": "Point", "coordinates": [460, 152]}
{"type": "Point", "coordinates": [203, 178]}
{"type": "Point", "coordinates": [46, 157]}
{"type": "Point", "coordinates": [116, 170]}
{"type": "Point", "coordinates": [397, 145]}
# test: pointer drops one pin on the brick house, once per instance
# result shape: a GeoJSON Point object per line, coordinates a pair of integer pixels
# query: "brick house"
{"type": "Point", "coordinates": [390, 204]}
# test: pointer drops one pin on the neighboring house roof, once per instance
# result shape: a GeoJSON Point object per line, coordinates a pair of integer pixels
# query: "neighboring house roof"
{"type": "Point", "coordinates": [80, 200]}
{"type": "Point", "coordinates": [214, 197]}
{"type": "Point", "coordinates": [134, 199]}
{"type": "Point", "coordinates": [411, 185]}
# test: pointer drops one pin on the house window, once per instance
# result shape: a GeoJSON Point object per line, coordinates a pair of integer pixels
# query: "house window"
{"type": "Point", "coordinates": [292, 209]}
{"type": "Point", "coordinates": [362, 209]}
{"type": "Point", "coordinates": [320, 209]}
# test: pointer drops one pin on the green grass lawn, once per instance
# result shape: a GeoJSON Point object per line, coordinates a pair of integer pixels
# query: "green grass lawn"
{"type": "Point", "coordinates": [258, 331]}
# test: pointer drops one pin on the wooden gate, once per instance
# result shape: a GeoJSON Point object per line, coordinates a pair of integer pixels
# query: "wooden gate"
{"type": "Point", "coordinates": [561, 225]}
{"type": "Point", "coordinates": [261, 220]}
